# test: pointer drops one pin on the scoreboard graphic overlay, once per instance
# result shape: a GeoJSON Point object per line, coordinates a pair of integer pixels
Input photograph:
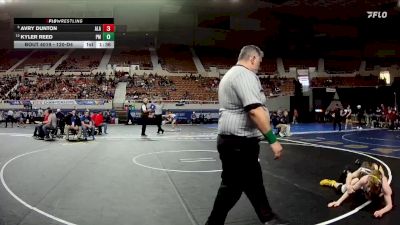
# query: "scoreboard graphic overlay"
{"type": "Point", "coordinates": [48, 33]}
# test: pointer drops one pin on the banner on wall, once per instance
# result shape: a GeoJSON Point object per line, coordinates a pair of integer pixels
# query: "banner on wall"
{"type": "Point", "coordinates": [90, 102]}
{"type": "Point", "coordinates": [69, 102]}
{"type": "Point", "coordinates": [331, 90]}
{"type": "Point", "coordinates": [58, 102]}
{"type": "Point", "coordinates": [18, 102]}
{"type": "Point", "coordinates": [53, 102]}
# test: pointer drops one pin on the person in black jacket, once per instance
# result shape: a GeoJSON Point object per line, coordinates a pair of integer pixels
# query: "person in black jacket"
{"type": "Point", "coordinates": [337, 118]}
{"type": "Point", "coordinates": [60, 121]}
{"type": "Point", "coordinates": [72, 122]}
{"type": "Point", "coordinates": [107, 120]}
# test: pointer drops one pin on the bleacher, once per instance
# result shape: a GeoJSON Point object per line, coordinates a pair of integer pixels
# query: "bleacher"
{"type": "Point", "coordinates": [268, 66]}
{"type": "Point", "coordinates": [82, 60]}
{"type": "Point", "coordinates": [42, 58]}
{"type": "Point", "coordinates": [338, 81]}
{"type": "Point", "coordinates": [300, 63]}
{"type": "Point", "coordinates": [42, 87]}
{"type": "Point", "coordinates": [342, 66]}
{"type": "Point", "coordinates": [274, 86]}
{"type": "Point", "coordinates": [214, 57]}
{"type": "Point", "coordinates": [6, 84]}
{"type": "Point", "coordinates": [123, 56]}
{"type": "Point", "coordinates": [9, 58]}
{"type": "Point", "coordinates": [381, 62]}
{"type": "Point", "coordinates": [176, 58]}
{"type": "Point", "coordinates": [193, 89]}
{"type": "Point", "coordinates": [151, 86]}
{"type": "Point", "coordinates": [173, 88]}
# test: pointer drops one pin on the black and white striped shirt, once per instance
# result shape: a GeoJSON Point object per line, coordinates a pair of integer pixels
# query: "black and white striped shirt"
{"type": "Point", "coordinates": [239, 88]}
{"type": "Point", "coordinates": [158, 109]}
{"type": "Point", "coordinates": [144, 111]}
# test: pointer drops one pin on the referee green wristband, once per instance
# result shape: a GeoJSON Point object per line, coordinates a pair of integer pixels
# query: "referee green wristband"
{"type": "Point", "coordinates": [270, 137]}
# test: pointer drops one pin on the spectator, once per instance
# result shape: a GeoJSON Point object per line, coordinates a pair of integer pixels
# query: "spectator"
{"type": "Point", "coordinates": [347, 116]}
{"type": "Point", "coordinates": [337, 118]}
{"type": "Point", "coordinates": [131, 110]}
{"type": "Point", "coordinates": [208, 118]}
{"type": "Point", "coordinates": [99, 123]}
{"type": "Point", "coordinates": [50, 124]}
{"type": "Point", "coordinates": [39, 128]}
{"type": "Point", "coordinates": [107, 120]}
{"type": "Point", "coordinates": [295, 116]}
{"type": "Point", "coordinates": [10, 118]}
{"type": "Point", "coordinates": [73, 123]}
{"type": "Point", "coordinates": [92, 115]}
{"type": "Point", "coordinates": [40, 112]}
{"type": "Point", "coordinates": [392, 118]}
{"type": "Point", "coordinates": [60, 121]}
{"type": "Point", "coordinates": [194, 118]}
{"type": "Point", "coordinates": [360, 116]}
{"type": "Point", "coordinates": [87, 125]}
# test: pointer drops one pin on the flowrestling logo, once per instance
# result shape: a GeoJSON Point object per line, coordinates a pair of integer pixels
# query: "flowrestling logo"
{"type": "Point", "coordinates": [377, 14]}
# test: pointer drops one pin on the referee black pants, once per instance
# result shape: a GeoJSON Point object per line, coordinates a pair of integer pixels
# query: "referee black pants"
{"type": "Point", "coordinates": [241, 172]}
{"type": "Point", "coordinates": [159, 122]}
{"type": "Point", "coordinates": [144, 124]}
{"type": "Point", "coordinates": [10, 119]}
{"type": "Point", "coordinates": [337, 122]}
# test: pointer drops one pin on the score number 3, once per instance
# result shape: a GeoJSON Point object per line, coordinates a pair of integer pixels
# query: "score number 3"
{"type": "Point", "coordinates": [108, 28]}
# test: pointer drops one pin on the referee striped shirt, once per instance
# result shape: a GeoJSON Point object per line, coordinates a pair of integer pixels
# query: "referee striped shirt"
{"type": "Point", "coordinates": [239, 88]}
{"type": "Point", "coordinates": [158, 109]}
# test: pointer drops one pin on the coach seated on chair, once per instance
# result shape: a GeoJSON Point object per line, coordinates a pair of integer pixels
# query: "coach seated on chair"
{"type": "Point", "coordinates": [87, 125]}
{"type": "Point", "coordinates": [60, 121]}
{"type": "Point", "coordinates": [51, 124]}
{"type": "Point", "coordinates": [73, 123]}
{"type": "Point", "coordinates": [99, 123]}
{"type": "Point", "coordinates": [38, 133]}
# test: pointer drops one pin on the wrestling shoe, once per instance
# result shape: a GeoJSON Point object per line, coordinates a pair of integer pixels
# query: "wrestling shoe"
{"type": "Point", "coordinates": [357, 162]}
{"type": "Point", "coordinates": [327, 182]}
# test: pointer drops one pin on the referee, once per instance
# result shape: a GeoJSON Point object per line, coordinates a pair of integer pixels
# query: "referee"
{"type": "Point", "coordinates": [158, 115]}
{"type": "Point", "coordinates": [243, 120]}
{"type": "Point", "coordinates": [145, 116]}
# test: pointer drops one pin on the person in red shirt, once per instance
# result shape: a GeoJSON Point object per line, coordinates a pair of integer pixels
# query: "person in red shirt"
{"type": "Point", "coordinates": [93, 116]}
{"type": "Point", "coordinates": [99, 122]}
{"type": "Point", "coordinates": [385, 111]}
{"type": "Point", "coordinates": [392, 118]}
{"type": "Point", "coordinates": [39, 128]}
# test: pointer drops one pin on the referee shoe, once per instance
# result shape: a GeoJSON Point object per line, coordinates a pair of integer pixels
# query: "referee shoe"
{"type": "Point", "coordinates": [276, 221]}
